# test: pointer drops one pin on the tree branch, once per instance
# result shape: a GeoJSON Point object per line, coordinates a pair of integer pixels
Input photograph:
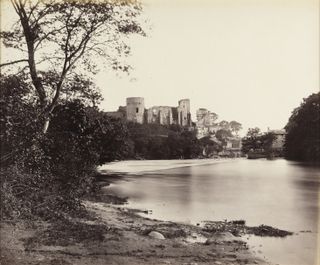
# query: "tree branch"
{"type": "Point", "coordinates": [45, 36]}
{"type": "Point", "coordinates": [13, 62]}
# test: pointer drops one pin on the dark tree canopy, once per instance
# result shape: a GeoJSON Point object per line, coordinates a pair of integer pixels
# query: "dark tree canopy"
{"type": "Point", "coordinates": [223, 134]}
{"type": "Point", "coordinates": [303, 131]}
{"type": "Point", "coordinates": [155, 141]}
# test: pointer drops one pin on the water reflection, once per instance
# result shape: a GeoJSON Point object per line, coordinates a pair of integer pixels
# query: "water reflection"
{"type": "Point", "coordinates": [277, 193]}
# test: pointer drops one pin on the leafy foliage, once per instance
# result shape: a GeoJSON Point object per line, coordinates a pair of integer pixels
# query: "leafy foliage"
{"type": "Point", "coordinates": [153, 141]}
{"type": "Point", "coordinates": [303, 131]}
{"type": "Point", "coordinates": [257, 142]}
{"type": "Point", "coordinates": [223, 134]}
{"type": "Point", "coordinates": [235, 126]}
{"type": "Point", "coordinates": [18, 119]}
{"type": "Point", "coordinates": [45, 175]}
{"type": "Point", "coordinates": [210, 147]}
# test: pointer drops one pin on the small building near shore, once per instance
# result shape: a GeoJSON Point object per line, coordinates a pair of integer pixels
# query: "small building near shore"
{"type": "Point", "coordinates": [279, 140]}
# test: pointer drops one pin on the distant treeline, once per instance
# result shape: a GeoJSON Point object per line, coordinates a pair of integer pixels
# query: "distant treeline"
{"type": "Point", "coordinates": [154, 141]}
{"type": "Point", "coordinates": [256, 144]}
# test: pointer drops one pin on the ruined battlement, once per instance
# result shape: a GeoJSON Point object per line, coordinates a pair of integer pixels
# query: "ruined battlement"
{"type": "Point", "coordinates": [135, 111]}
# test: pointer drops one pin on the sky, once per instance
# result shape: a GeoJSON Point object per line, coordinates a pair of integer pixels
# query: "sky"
{"type": "Point", "coordinates": [249, 61]}
{"type": "Point", "coordinates": [252, 61]}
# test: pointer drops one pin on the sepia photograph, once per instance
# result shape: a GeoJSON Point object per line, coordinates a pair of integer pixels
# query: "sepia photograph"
{"type": "Point", "coordinates": [160, 132]}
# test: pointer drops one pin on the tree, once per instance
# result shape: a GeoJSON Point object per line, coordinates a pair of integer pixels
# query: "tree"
{"type": "Point", "coordinates": [303, 131]}
{"type": "Point", "coordinates": [258, 142]}
{"type": "Point", "coordinates": [223, 134]}
{"type": "Point", "coordinates": [253, 132]}
{"type": "Point", "coordinates": [63, 37]}
{"type": "Point", "coordinates": [224, 124]}
{"type": "Point", "coordinates": [213, 117]}
{"type": "Point", "coordinates": [235, 126]}
{"type": "Point", "coordinates": [209, 147]}
{"type": "Point", "coordinates": [252, 140]}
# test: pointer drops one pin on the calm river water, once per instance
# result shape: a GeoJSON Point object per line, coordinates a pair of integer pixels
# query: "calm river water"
{"type": "Point", "coordinates": [279, 193]}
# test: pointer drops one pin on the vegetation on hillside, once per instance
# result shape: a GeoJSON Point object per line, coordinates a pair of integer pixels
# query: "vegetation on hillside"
{"type": "Point", "coordinates": [154, 141]}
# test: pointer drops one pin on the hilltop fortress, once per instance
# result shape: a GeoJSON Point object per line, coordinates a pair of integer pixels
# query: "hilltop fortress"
{"type": "Point", "coordinates": [135, 111]}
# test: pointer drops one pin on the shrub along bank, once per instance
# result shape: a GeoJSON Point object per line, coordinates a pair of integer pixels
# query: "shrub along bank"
{"type": "Point", "coordinates": [45, 175]}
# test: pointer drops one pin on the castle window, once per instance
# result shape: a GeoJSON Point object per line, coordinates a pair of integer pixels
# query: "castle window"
{"type": "Point", "coordinates": [137, 110]}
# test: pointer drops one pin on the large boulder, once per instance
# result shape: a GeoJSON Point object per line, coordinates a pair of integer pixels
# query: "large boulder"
{"type": "Point", "coordinates": [156, 235]}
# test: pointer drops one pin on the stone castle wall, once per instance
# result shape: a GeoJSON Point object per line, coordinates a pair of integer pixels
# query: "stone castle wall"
{"type": "Point", "coordinates": [135, 109]}
{"type": "Point", "coordinates": [160, 114]}
{"type": "Point", "coordinates": [184, 116]}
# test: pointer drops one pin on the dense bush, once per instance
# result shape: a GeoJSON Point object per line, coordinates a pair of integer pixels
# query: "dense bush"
{"type": "Point", "coordinates": [45, 175]}
{"type": "Point", "coordinates": [79, 139]}
{"type": "Point", "coordinates": [303, 131]}
{"type": "Point", "coordinates": [18, 120]}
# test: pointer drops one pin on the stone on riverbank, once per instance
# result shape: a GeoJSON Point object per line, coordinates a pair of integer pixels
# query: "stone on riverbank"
{"type": "Point", "coordinates": [156, 235]}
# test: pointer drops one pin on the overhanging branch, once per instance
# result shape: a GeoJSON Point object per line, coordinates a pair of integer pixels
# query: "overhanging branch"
{"type": "Point", "coordinates": [13, 62]}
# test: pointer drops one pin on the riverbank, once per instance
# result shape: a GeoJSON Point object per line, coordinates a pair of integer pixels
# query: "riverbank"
{"type": "Point", "coordinates": [116, 235]}
{"type": "Point", "coordinates": [113, 234]}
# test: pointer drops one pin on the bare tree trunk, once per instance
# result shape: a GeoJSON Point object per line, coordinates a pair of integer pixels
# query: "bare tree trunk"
{"type": "Point", "coordinates": [46, 125]}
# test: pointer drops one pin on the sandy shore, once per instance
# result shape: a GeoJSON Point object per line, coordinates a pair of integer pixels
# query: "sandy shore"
{"type": "Point", "coordinates": [118, 236]}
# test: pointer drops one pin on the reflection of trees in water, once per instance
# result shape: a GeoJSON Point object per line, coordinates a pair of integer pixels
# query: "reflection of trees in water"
{"type": "Point", "coordinates": [171, 185]}
{"type": "Point", "coordinates": [306, 183]}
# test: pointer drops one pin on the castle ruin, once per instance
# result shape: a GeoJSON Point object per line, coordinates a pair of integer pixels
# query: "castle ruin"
{"type": "Point", "coordinates": [135, 111]}
{"type": "Point", "coordinates": [184, 115]}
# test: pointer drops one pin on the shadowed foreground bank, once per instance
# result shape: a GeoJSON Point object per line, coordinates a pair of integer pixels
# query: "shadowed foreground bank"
{"type": "Point", "coordinates": [114, 235]}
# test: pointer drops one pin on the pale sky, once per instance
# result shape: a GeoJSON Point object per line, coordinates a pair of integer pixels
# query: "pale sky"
{"type": "Point", "coordinates": [246, 60]}
{"type": "Point", "coordinates": [250, 61]}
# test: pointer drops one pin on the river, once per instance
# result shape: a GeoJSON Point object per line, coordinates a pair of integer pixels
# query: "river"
{"type": "Point", "coordinates": [279, 193]}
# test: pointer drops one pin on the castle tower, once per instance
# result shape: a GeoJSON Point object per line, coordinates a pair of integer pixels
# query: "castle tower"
{"type": "Point", "coordinates": [135, 109]}
{"type": "Point", "coordinates": [184, 115]}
